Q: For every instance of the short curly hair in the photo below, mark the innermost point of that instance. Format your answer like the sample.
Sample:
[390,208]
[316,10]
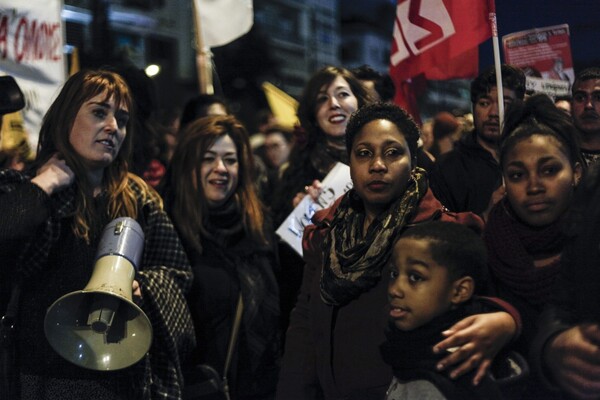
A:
[389,112]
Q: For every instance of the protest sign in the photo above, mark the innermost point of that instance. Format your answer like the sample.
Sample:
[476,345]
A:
[31,51]
[335,184]
[545,55]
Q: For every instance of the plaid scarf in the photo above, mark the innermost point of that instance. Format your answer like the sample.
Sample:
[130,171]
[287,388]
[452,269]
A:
[164,277]
[352,262]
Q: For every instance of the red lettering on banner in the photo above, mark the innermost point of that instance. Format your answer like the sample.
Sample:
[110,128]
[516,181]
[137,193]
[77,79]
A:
[36,41]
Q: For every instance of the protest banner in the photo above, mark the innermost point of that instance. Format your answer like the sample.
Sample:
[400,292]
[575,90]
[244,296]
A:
[435,40]
[335,184]
[31,51]
[545,56]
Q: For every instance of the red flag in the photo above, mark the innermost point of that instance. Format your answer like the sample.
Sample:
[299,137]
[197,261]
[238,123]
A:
[437,38]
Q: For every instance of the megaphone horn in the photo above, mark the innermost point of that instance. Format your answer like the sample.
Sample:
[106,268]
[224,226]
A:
[100,327]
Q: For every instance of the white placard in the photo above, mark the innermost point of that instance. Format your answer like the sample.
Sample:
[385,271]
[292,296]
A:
[335,184]
[31,51]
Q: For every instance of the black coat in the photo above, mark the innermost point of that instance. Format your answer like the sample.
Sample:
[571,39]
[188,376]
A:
[465,178]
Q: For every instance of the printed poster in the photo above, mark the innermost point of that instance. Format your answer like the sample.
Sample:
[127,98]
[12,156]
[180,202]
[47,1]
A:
[545,56]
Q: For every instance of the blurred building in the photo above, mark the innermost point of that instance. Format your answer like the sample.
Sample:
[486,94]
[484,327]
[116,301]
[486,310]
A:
[366,33]
[303,35]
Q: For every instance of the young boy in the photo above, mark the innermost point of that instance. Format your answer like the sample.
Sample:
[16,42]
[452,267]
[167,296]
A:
[435,269]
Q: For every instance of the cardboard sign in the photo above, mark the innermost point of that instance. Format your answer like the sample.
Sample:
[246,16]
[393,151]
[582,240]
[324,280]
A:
[335,184]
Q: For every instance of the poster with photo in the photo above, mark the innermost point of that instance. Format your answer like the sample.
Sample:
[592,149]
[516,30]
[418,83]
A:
[545,56]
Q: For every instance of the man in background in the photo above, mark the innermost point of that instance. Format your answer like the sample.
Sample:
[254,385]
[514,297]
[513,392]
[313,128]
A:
[466,178]
[585,109]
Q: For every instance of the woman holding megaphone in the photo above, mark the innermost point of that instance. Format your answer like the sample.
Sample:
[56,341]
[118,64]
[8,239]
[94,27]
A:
[52,226]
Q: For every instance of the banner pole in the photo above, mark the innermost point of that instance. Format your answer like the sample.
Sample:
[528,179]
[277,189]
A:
[203,56]
[497,67]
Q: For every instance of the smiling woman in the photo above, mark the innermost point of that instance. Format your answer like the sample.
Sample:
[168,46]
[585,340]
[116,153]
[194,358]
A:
[329,97]
[210,194]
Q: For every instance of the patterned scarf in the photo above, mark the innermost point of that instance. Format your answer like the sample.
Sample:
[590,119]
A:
[165,276]
[353,263]
[512,247]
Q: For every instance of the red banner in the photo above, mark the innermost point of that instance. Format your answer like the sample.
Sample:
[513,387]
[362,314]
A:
[438,39]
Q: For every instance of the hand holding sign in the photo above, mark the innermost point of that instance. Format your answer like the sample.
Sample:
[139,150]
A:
[320,195]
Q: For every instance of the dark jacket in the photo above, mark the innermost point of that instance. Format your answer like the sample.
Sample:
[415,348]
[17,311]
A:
[333,352]
[213,300]
[465,178]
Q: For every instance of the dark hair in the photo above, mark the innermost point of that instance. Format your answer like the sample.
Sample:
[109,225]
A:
[444,124]
[382,82]
[287,134]
[390,112]
[512,78]
[539,115]
[147,144]
[586,75]
[454,246]
[308,101]
[183,191]
[54,138]
[197,107]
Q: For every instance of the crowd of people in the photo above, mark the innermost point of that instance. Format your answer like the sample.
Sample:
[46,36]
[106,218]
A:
[460,265]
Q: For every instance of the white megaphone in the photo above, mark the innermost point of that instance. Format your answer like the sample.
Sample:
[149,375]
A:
[100,327]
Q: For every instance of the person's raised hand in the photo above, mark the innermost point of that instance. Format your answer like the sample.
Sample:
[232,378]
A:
[313,191]
[54,175]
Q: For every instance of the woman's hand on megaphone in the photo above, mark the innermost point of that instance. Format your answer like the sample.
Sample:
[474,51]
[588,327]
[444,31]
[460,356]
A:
[54,175]
[137,292]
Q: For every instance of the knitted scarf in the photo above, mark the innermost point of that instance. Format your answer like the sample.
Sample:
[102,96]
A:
[353,263]
[405,350]
[512,247]
[253,264]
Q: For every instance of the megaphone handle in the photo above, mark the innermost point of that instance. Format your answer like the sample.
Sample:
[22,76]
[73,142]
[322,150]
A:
[233,338]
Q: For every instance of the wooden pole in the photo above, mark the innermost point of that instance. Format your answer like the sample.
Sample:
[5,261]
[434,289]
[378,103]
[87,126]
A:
[203,56]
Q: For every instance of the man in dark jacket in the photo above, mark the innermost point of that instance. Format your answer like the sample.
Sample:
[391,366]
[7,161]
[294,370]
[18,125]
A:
[466,178]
